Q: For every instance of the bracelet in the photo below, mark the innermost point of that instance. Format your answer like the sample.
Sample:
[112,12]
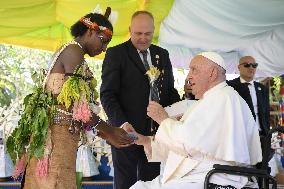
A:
[98,122]
[89,126]
[94,128]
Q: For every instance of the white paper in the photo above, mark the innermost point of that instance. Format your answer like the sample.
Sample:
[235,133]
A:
[177,109]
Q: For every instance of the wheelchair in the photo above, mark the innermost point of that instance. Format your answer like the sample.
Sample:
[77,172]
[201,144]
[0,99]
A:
[262,173]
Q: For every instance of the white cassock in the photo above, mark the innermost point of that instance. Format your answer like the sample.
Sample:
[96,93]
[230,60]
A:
[217,129]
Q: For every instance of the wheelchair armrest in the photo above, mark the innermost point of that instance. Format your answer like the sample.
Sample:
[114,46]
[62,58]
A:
[243,171]
[239,169]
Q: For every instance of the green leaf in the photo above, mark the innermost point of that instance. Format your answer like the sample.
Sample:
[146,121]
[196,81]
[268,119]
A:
[39,150]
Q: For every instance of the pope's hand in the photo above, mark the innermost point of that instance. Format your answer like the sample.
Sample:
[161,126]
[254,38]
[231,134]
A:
[156,112]
[128,127]
[142,140]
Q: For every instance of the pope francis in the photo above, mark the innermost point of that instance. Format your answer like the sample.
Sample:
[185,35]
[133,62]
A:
[217,129]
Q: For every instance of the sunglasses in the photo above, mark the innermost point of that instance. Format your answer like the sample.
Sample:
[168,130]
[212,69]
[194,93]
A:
[247,65]
[104,41]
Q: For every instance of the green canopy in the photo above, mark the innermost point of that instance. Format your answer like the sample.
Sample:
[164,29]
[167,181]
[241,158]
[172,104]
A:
[45,24]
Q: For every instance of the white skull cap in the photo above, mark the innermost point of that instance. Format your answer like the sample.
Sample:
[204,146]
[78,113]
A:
[215,57]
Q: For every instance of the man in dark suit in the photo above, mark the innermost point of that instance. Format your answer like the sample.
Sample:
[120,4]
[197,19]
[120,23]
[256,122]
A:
[254,93]
[125,94]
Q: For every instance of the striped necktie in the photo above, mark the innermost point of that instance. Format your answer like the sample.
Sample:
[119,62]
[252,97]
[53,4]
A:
[145,61]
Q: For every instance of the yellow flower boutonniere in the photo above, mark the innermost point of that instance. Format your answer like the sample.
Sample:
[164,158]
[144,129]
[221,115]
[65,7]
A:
[153,74]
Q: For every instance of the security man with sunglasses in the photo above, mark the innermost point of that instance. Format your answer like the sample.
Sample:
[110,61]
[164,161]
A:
[254,93]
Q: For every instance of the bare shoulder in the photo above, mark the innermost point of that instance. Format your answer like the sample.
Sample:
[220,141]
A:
[71,57]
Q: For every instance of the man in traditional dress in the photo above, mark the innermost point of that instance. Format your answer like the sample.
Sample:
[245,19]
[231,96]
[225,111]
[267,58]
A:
[218,129]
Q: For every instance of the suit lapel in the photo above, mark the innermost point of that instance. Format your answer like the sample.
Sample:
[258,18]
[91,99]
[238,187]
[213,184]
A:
[155,57]
[247,95]
[134,56]
[156,61]
[259,100]
[258,90]
[258,95]
[244,89]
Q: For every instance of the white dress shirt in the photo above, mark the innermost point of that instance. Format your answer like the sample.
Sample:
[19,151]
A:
[252,91]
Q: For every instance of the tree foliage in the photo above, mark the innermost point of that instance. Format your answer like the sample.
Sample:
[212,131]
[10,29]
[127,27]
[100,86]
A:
[18,68]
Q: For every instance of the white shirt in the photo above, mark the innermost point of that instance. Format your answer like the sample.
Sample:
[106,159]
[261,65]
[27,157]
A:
[148,56]
[252,91]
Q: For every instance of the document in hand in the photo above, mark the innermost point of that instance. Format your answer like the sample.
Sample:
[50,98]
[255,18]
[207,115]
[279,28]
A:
[177,109]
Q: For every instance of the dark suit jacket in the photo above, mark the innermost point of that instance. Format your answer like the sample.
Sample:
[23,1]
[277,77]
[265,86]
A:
[262,94]
[125,88]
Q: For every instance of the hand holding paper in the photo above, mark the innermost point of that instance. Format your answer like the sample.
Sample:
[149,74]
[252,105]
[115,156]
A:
[156,112]
[177,109]
[142,140]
